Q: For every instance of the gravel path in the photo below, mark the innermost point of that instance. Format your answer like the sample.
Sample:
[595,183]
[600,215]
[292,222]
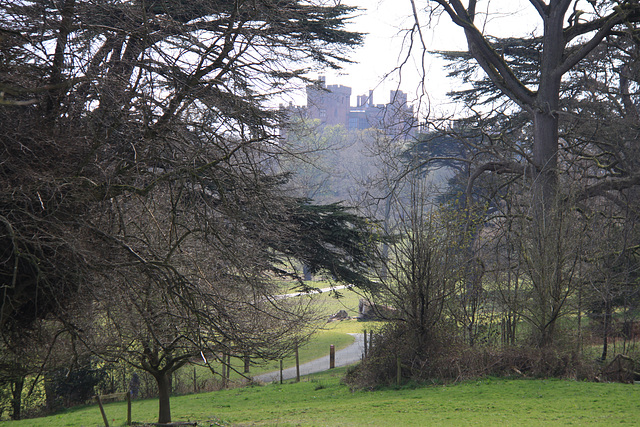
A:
[319,291]
[344,357]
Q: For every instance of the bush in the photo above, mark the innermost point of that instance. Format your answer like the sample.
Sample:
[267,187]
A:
[66,387]
[418,354]
[439,357]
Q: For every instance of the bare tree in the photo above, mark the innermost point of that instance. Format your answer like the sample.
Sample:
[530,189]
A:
[535,86]
[420,270]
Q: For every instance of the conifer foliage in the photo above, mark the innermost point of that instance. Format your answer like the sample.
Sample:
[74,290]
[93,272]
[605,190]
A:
[136,185]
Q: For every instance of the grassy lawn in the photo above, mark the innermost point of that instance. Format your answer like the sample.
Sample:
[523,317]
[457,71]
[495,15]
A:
[321,400]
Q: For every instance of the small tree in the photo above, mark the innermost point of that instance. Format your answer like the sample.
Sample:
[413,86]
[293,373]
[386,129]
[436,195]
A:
[418,283]
[192,274]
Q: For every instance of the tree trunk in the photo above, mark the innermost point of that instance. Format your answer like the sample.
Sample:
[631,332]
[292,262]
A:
[543,105]
[545,158]
[545,180]
[164,393]
[547,334]
[544,232]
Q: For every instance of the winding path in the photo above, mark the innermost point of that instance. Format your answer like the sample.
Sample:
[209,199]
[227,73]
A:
[344,357]
[316,291]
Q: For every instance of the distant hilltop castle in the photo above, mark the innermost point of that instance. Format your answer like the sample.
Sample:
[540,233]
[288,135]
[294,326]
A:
[331,105]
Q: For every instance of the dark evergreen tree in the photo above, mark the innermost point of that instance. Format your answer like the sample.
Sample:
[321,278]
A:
[137,149]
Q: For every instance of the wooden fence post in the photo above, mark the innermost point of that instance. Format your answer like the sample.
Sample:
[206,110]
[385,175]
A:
[281,371]
[297,364]
[365,343]
[195,381]
[104,416]
[332,356]
[129,407]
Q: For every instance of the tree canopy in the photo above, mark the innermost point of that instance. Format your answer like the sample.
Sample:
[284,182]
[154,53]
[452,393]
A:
[138,172]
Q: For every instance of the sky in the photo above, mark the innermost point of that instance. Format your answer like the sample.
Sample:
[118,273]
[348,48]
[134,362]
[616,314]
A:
[384,48]
[385,23]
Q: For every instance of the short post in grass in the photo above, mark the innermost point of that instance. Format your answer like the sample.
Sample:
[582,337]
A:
[297,364]
[281,379]
[129,407]
[223,374]
[332,356]
[104,416]
[226,369]
[195,381]
[365,343]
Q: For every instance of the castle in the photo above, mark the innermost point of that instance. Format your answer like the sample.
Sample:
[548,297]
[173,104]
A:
[331,105]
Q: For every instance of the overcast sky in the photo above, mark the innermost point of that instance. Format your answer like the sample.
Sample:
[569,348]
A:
[385,22]
[386,46]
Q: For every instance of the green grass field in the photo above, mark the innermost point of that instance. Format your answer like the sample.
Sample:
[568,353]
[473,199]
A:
[322,400]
